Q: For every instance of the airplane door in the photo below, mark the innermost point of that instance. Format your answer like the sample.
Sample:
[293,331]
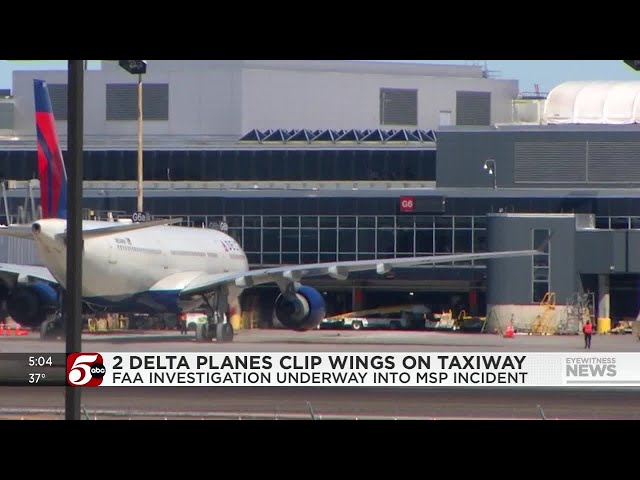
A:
[113,253]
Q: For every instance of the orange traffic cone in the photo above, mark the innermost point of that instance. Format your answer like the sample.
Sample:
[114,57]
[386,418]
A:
[509,333]
[21,331]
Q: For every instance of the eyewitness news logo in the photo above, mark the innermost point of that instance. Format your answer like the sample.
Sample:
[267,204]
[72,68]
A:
[85,369]
[594,370]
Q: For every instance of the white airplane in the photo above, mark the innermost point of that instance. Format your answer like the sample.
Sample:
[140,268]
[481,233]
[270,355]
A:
[156,267]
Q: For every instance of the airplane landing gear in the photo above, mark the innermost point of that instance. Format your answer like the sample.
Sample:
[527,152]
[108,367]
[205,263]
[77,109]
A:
[224,332]
[217,325]
[202,332]
[51,326]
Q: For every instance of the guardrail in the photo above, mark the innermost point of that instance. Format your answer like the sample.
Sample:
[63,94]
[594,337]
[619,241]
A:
[107,414]
[21,186]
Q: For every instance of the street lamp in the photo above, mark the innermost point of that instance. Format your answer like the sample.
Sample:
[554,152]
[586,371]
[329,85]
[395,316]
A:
[490,166]
[137,67]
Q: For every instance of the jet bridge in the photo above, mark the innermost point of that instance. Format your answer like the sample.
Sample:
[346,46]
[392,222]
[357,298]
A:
[28,212]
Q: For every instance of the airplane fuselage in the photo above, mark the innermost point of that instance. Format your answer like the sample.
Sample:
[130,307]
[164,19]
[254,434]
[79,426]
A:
[142,270]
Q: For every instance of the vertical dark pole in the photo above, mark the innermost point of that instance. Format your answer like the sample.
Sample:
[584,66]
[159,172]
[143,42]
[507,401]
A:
[140,170]
[73,303]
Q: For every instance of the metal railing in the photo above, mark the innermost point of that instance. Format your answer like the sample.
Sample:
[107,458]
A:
[20,187]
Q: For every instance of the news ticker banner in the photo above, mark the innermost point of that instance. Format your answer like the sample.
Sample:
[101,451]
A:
[306,369]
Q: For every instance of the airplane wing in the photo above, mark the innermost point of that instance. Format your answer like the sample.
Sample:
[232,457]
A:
[122,227]
[31,271]
[19,231]
[337,270]
[25,231]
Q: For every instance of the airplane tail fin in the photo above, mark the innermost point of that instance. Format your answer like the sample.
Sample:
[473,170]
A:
[51,171]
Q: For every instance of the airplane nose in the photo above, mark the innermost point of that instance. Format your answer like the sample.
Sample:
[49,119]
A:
[36,227]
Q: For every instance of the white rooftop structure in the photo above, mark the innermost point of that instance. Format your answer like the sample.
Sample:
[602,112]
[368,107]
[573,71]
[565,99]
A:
[597,102]
[221,101]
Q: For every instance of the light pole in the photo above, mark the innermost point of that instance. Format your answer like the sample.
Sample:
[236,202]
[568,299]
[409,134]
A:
[140,143]
[73,294]
[490,166]
[137,67]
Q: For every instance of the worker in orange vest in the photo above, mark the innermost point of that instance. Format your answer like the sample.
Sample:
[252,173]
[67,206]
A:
[587,330]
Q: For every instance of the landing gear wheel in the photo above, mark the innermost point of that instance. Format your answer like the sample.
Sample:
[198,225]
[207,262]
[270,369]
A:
[202,332]
[44,329]
[224,332]
[47,327]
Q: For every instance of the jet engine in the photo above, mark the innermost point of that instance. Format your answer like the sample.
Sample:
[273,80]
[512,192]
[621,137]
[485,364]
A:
[303,310]
[29,305]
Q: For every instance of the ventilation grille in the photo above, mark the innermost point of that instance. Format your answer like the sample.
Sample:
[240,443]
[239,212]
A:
[122,101]
[473,108]
[398,106]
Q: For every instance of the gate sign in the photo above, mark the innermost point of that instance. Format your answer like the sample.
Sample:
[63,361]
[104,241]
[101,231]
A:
[407,204]
[140,217]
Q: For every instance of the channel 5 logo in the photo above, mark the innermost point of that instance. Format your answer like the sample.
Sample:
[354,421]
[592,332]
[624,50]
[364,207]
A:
[85,369]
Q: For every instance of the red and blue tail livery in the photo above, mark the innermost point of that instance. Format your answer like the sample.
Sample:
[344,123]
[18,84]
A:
[51,170]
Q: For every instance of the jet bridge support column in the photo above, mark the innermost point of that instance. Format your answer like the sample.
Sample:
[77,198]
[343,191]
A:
[473,302]
[604,296]
[356,299]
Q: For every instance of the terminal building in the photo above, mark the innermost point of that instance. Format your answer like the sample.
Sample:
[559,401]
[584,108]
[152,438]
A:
[311,161]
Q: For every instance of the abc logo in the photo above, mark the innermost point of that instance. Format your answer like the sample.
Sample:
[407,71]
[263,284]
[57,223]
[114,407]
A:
[85,369]
[98,370]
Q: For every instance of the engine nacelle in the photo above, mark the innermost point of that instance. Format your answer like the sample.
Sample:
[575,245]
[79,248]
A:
[29,305]
[303,310]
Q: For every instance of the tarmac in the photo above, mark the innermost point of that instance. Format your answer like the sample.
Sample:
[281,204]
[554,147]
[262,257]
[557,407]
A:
[326,341]
[200,403]
[203,403]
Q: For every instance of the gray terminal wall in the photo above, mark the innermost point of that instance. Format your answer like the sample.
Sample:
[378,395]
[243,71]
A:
[608,251]
[509,280]
[576,250]
[538,157]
